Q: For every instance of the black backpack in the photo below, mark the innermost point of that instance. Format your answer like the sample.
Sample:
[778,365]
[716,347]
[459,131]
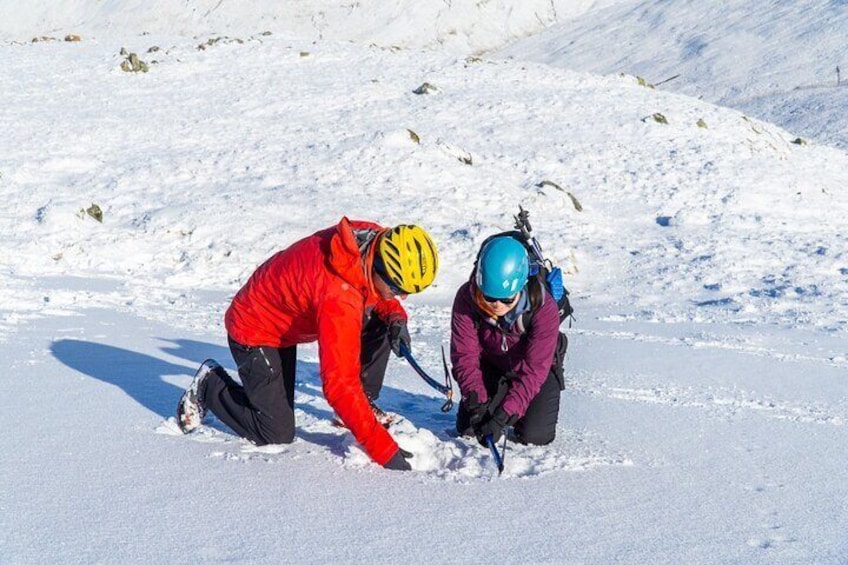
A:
[537,281]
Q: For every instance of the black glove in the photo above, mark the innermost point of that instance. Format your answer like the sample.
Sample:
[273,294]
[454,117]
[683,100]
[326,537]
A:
[398,333]
[399,462]
[477,411]
[494,426]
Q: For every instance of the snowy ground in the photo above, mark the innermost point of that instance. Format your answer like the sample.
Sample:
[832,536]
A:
[464,26]
[782,61]
[705,415]
[676,442]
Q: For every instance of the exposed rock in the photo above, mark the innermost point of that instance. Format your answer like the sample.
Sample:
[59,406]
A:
[426,88]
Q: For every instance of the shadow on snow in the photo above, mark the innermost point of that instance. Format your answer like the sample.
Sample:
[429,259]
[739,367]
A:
[140,376]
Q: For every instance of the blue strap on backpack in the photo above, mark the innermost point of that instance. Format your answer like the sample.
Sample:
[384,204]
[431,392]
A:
[554,280]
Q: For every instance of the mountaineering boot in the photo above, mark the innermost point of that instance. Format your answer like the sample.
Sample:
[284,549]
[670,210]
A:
[383,417]
[192,408]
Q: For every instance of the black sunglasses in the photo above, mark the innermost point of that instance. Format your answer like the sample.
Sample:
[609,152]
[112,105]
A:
[504,301]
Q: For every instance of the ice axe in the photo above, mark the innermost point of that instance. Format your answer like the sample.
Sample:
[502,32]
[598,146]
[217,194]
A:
[495,453]
[446,389]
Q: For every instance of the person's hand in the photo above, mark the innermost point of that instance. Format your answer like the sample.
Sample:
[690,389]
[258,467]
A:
[494,426]
[399,334]
[399,462]
[477,411]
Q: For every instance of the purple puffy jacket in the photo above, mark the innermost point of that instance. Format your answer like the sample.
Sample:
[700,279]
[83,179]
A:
[529,355]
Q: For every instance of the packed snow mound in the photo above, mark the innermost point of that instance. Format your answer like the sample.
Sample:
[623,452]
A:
[462,25]
[776,60]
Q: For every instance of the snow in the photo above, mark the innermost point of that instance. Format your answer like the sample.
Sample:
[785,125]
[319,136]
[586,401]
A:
[705,412]
[781,61]
[455,25]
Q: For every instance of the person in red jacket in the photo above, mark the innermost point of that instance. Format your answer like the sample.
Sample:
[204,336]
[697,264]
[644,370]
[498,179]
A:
[339,287]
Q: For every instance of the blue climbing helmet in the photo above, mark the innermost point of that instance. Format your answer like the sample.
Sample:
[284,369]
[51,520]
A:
[502,267]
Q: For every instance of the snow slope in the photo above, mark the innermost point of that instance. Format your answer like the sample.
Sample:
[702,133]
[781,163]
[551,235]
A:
[705,415]
[458,25]
[774,60]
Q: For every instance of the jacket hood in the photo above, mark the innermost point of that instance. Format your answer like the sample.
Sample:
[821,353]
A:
[345,257]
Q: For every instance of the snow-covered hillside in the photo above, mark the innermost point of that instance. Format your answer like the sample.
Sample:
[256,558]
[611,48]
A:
[705,415]
[781,61]
[459,25]
[722,221]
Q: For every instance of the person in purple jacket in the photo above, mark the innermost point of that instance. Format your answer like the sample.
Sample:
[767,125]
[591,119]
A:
[506,348]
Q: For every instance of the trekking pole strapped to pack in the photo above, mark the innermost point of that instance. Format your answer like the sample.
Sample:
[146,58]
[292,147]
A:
[552,275]
[522,224]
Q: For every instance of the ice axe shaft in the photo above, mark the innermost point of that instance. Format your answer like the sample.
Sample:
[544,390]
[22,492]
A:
[444,389]
[490,441]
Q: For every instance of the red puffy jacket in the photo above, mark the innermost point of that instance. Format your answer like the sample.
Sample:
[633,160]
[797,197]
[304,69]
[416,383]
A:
[319,288]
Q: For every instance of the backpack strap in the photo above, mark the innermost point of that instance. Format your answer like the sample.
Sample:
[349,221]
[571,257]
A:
[536,293]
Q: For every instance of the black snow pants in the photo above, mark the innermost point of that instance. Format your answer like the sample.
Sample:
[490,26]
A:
[538,425]
[261,408]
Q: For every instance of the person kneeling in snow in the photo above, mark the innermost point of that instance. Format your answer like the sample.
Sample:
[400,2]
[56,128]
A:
[338,286]
[506,348]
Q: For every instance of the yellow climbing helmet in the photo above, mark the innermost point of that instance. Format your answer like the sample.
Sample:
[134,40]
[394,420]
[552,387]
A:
[408,257]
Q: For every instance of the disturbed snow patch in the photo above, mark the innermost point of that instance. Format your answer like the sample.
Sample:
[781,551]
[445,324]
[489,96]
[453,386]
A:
[440,457]
[462,459]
